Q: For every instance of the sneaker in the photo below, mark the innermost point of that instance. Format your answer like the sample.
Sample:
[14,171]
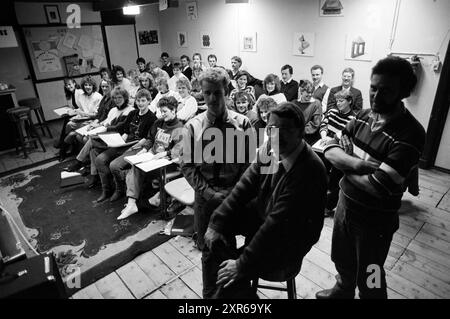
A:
[175,207]
[75,166]
[129,210]
[155,200]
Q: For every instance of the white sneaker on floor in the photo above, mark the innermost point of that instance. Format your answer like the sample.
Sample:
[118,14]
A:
[155,200]
[129,210]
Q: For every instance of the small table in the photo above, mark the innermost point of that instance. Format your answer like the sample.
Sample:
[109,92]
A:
[160,164]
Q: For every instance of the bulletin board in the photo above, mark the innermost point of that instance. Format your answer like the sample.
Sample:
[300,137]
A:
[58,51]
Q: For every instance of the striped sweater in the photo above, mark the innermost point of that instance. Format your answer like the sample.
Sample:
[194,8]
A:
[396,146]
[334,121]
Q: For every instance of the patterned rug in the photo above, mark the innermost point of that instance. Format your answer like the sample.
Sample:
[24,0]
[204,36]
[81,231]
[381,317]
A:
[86,238]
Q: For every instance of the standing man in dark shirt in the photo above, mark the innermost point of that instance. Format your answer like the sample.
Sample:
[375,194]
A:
[213,171]
[348,76]
[166,64]
[288,85]
[378,152]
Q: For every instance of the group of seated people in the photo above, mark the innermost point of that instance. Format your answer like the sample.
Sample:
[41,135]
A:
[150,103]
[277,204]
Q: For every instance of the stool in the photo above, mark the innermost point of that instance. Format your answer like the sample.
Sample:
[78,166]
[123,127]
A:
[290,287]
[22,116]
[35,105]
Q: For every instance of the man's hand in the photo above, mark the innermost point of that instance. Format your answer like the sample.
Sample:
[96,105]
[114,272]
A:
[211,237]
[346,143]
[324,141]
[228,273]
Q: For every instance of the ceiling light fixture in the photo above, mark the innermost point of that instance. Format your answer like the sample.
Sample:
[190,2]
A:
[131,9]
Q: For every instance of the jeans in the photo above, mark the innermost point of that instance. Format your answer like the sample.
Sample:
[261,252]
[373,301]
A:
[360,245]
[119,168]
[102,160]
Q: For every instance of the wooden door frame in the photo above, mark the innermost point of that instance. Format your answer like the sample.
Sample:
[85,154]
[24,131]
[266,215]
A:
[438,116]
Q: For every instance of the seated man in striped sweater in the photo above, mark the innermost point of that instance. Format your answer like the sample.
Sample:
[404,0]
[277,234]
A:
[333,123]
[378,152]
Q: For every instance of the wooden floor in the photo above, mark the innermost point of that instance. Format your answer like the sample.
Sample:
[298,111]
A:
[418,265]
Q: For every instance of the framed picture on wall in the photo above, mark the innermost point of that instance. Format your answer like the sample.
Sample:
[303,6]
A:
[148,37]
[303,44]
[206,40]
[358,46]
[52,14]
[331,8]
[191,10]
[248,42]
[182,39]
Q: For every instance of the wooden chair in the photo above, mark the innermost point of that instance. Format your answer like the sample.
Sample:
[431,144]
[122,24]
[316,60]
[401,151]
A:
[35,105]
[290,287]
[181,191]
[21,117]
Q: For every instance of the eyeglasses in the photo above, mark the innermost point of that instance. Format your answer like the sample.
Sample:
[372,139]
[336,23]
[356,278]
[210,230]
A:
[270,128]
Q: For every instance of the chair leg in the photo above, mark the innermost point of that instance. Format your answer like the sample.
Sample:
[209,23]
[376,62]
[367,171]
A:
[255,285]
[38,117]
[45,122]
[21,139]
[33,129]
[291,289]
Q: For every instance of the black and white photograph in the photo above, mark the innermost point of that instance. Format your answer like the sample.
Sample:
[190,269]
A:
[225,158]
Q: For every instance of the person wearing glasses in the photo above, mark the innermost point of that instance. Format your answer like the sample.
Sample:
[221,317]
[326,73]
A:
[278,208]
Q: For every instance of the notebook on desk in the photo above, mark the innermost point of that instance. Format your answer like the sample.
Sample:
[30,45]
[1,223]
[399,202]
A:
[153,164]
[115,140]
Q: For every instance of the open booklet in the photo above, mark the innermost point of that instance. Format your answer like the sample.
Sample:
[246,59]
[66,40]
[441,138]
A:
[154,164]
[144,157]
[136,159]
[115,140]
[85,132]
[65,110]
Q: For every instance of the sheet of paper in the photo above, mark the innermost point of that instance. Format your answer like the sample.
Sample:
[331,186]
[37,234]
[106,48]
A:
[136,159]
[85,42]
[155,164]
[112,140]
[69,40]
[98,60]
[97,47]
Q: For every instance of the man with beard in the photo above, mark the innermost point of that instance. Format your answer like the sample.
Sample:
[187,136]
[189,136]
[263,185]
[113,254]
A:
[379,151]
[348,76]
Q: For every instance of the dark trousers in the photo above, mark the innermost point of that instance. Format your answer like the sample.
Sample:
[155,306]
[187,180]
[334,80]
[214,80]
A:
[211,259]
[102,160]
[360,245]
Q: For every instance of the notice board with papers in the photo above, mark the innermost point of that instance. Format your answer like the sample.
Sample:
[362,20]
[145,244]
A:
[58,51]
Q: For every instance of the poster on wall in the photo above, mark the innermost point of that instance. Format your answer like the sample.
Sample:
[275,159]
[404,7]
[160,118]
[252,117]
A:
[46,55]
[248,42]
[148,37]
[331,8]
[7,37]
[303,44]
[182,39]
[358,47]
[206,40]
[191,10]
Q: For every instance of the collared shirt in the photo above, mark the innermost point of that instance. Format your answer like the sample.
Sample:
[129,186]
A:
[287,82]
[289,161]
